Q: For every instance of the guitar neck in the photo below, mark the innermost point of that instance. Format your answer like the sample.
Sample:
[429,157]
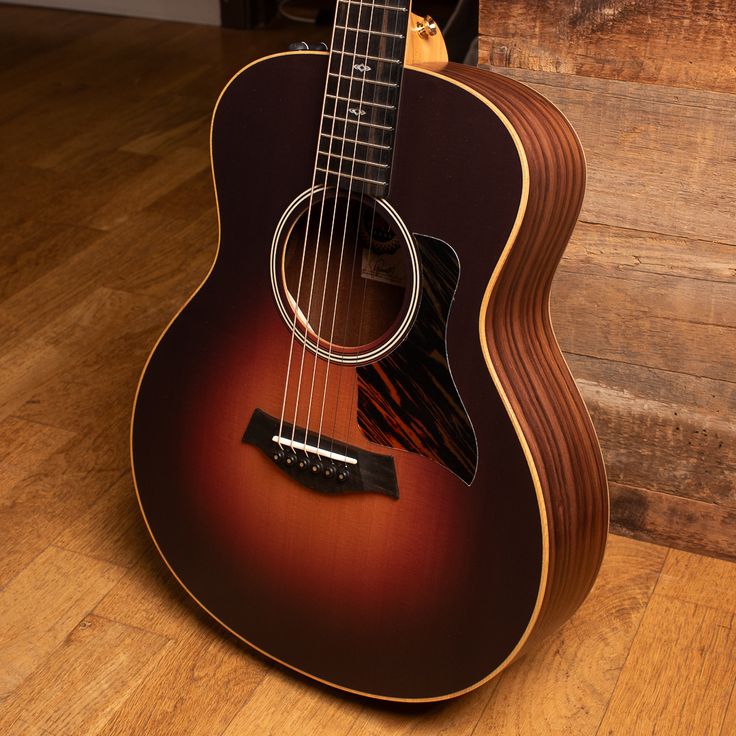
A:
[362,93]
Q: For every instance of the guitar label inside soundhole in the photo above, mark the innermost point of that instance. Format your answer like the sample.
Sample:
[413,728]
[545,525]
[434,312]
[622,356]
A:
[347,269]
[382,259]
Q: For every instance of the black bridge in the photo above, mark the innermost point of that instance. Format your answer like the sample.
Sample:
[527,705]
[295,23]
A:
[322,464]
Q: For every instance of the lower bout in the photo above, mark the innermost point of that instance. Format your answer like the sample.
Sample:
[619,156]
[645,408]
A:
[419,598]
[415,598]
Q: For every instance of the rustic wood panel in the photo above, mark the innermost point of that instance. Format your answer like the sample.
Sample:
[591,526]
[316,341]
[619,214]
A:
[670,455]
[668,439]
[643,300]
[709,528]
[685,43]
[660,159]
[655,320]
[670,444]
[604,250]
[666,427]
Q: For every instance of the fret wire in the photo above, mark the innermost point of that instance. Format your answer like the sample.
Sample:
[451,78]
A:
[354,160]
[360,178]
[358,56]
[383,43]
[373,5]
[371,32]
[357,122]
[359,102]
[356,142]
[364,80]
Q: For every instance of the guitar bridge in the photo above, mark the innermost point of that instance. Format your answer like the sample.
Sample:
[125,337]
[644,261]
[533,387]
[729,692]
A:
[340,469]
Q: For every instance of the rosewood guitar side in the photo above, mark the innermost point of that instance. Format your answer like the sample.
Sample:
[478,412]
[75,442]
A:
[526,360]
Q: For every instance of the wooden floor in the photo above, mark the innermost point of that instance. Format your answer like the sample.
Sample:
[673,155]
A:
[107,222]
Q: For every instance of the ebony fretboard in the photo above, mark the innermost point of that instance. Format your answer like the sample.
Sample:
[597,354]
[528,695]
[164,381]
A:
[362,95]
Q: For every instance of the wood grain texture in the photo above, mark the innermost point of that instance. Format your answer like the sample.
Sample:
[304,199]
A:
[83,682]
[36,509]
[698,580]
[605,250]
[52,59]
[643,300]
[690,433]
[729,722]
[30,634]
[24,445]
[439,426]
[525,354]
[147,598]
[457,717]
[689,666]
[284,704]
[176,694]
[105,530]
[677,320]
[565,687]
[684,43]
[666,518]
[648,419]
[660,159]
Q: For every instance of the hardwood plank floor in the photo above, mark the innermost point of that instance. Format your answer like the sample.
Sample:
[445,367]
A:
[108,223]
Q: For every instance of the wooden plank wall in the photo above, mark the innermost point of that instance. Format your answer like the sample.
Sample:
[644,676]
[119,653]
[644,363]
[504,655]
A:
[644,304]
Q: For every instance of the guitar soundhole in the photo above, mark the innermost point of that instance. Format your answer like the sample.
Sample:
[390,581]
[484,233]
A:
[347,271]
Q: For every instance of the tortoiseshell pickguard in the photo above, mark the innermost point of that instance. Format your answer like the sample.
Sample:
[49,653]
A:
[408,399]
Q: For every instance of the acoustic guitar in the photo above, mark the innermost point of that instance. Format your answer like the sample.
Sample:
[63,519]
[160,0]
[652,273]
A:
[358,446]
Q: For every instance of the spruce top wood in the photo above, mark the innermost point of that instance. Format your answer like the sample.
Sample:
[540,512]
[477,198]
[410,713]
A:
[379,309]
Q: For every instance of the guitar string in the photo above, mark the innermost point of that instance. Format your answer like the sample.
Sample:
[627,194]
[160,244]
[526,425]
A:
[301,266]
[346,331]
[339,175]
[369,36]
[318,233]
[398,21]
